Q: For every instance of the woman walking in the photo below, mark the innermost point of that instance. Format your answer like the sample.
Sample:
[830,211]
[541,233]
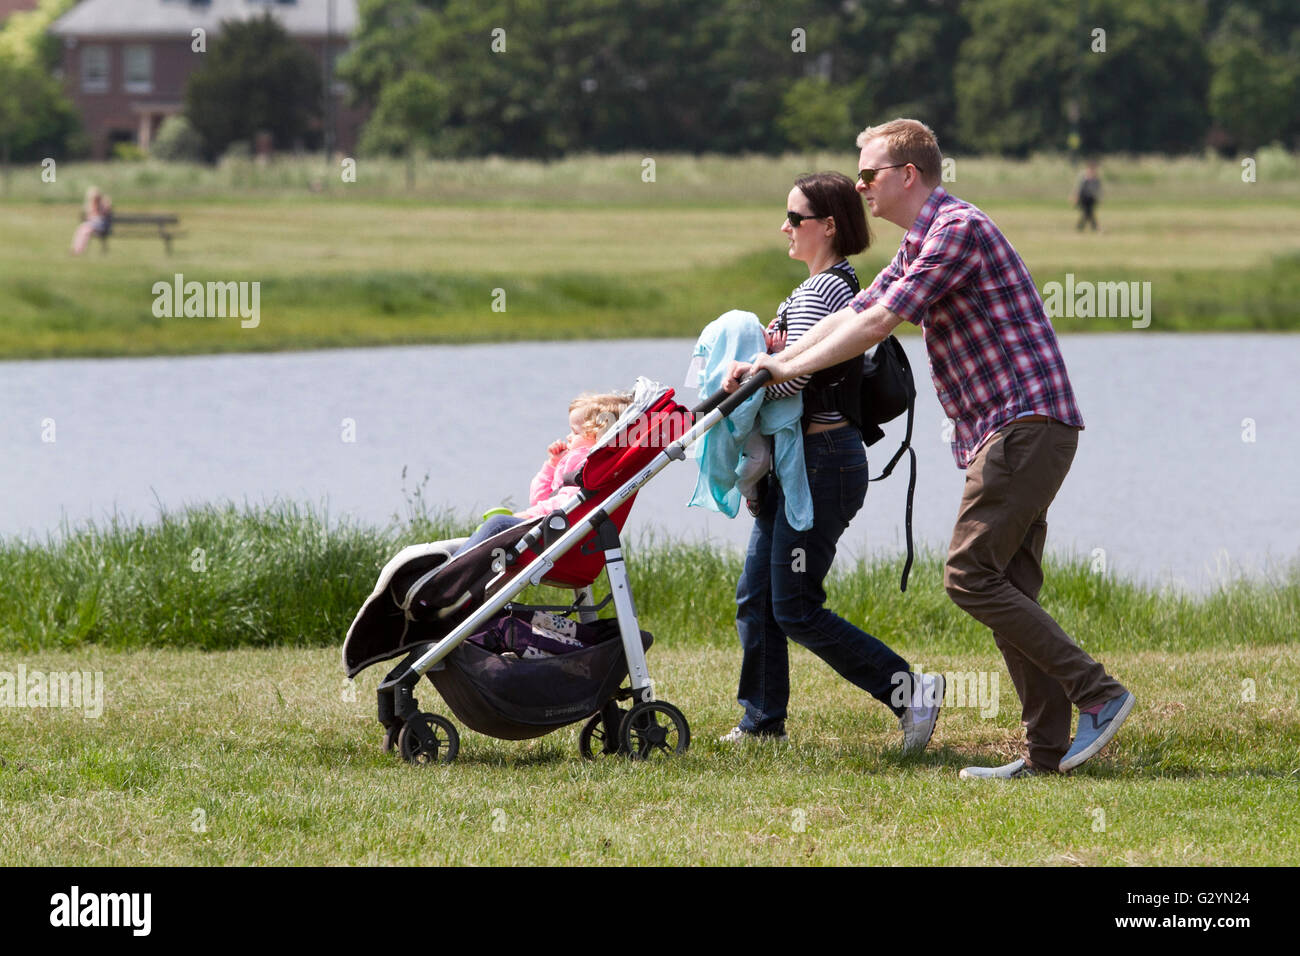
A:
[780,594]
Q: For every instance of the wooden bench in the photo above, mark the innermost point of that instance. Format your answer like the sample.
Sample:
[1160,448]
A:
[142,227]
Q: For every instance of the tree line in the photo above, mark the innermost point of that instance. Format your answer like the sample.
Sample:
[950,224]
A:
[521,77]
[533,78]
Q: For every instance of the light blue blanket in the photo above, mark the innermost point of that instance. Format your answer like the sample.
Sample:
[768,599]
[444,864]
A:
[738,336]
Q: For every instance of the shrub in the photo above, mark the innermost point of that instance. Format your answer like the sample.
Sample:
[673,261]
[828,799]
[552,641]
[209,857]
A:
[128,152]
[177,141]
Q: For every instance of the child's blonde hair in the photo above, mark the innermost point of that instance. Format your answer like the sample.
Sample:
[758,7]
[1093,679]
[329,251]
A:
[600,410]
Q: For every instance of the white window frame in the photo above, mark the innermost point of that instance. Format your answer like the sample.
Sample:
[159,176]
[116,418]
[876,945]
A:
[89,83]
[137,85]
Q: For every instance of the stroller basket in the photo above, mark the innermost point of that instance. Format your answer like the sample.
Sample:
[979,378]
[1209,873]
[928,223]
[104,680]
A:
[512,698]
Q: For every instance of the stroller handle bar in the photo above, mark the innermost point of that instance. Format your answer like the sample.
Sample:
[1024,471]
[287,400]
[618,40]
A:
[728,402]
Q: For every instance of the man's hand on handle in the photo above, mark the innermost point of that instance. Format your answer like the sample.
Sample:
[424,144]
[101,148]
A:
[742,370]
[839,336]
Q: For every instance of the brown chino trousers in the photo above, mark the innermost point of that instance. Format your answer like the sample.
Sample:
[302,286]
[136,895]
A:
[994,573]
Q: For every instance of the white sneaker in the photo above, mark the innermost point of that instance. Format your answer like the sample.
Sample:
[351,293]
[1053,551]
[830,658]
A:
[1017,768]
[736,736]
[918,723]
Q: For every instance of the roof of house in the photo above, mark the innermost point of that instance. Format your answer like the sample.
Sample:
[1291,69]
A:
[99,18]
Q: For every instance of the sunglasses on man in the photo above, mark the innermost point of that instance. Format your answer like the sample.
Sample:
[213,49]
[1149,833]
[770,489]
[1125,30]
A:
[868,176]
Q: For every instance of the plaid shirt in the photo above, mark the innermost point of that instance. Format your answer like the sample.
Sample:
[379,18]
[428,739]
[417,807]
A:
[993,351]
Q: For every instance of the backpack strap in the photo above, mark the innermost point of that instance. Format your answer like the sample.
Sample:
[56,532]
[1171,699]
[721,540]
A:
[828,389]
[849,278]
[906,446]
[911,409]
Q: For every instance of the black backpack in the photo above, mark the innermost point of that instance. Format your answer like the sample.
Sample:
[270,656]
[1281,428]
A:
[882,390]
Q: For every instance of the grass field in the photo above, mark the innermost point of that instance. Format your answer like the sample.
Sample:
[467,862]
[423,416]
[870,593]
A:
[228,734]
[261,757]
[585,249]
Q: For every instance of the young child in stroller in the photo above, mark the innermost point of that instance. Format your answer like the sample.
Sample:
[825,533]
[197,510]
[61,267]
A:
[590,415]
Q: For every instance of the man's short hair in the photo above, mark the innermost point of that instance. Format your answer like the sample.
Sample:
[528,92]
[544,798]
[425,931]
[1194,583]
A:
[909,141]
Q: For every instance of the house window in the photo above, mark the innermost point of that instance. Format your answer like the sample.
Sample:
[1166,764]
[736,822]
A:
[137,63]
[94,69]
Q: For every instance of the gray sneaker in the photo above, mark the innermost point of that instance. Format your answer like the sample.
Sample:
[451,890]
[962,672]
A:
[1010,771]
[1096,730]
[918,723]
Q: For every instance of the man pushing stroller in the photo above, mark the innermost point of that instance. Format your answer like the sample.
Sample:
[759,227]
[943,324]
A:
[999,374]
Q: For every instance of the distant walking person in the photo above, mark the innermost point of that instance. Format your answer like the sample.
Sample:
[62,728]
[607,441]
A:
[1086,196]
[998,370]
[97,217]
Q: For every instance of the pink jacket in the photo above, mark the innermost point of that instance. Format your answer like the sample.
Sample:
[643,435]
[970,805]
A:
[548,490]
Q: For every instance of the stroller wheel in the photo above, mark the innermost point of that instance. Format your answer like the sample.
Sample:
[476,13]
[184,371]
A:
[428,738]
[597,738]
[390,738]
[654,728]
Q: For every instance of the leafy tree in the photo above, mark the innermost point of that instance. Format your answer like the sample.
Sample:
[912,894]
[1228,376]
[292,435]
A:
[899,60]
[1001,76]
[410,117]
[1255,83]
[1012,76]
[255,77]
[503,102]
[594,74]
[387,45]
[1025,64]
[36,120]
[25,38]
[817,114]
[1277,19]
[1147,92]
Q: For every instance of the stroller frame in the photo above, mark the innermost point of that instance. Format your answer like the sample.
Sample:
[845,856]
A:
[638,734]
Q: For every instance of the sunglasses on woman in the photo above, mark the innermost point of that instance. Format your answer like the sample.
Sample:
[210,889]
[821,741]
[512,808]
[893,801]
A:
[868,176]
[795,218]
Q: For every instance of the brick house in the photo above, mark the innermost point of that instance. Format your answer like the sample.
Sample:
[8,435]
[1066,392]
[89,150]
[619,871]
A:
[14,6]
[125,62]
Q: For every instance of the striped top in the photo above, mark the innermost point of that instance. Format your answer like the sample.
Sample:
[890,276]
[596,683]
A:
[813,299]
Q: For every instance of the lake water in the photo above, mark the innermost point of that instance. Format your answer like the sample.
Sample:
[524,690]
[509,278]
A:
[1185,474]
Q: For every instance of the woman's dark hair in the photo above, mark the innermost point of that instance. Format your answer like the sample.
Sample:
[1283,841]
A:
[832,195]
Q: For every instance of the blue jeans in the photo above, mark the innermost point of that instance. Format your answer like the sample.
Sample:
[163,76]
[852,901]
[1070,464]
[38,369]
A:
[494,525]
[780,591]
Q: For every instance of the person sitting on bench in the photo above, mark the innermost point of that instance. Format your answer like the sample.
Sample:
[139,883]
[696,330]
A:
[98,218]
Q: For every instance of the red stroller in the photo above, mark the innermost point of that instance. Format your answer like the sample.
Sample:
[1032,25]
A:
[427,603]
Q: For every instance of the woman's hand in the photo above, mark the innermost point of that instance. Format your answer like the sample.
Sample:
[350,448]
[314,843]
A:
[734,376]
